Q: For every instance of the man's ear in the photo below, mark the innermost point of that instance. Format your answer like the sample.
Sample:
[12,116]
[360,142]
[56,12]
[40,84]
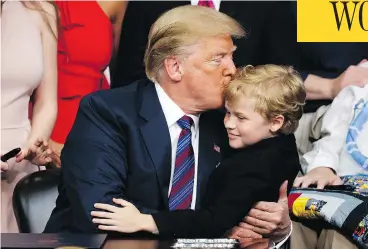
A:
[276,123]
[173,68]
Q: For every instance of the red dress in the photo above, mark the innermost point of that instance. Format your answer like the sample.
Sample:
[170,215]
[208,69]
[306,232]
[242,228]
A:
[84,51]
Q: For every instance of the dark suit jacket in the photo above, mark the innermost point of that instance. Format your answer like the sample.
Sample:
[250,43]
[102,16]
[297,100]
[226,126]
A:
[119,147]
[271,39]
[247,176]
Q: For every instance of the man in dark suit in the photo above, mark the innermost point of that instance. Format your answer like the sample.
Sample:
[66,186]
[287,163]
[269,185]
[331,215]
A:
[124,141]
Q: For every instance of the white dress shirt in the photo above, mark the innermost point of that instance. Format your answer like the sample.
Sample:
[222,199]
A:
[172,114]
[215,2]
[330,150]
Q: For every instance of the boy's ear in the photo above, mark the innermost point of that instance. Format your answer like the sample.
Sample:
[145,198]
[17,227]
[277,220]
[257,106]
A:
[276,123]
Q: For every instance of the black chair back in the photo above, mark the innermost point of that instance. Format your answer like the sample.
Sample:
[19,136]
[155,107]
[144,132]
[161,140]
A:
[34,199]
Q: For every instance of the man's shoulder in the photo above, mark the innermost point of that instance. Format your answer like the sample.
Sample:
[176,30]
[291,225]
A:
[122,96]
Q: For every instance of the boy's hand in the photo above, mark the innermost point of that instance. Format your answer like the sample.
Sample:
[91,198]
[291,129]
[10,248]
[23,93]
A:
[126,219]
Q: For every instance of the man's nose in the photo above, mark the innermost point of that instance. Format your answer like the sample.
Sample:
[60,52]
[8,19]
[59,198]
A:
[230,69]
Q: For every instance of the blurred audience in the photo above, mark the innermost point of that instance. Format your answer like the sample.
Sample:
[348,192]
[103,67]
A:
[28,67]
[88,41]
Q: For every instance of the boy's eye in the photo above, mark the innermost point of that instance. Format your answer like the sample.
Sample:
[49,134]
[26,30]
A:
[241,118]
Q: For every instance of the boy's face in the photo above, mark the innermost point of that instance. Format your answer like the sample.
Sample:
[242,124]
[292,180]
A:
[245,126]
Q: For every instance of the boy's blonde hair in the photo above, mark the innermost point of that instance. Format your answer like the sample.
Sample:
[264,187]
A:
[277,90]
[181,27]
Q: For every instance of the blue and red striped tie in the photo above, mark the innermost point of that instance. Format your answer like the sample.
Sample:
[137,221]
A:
[183,180]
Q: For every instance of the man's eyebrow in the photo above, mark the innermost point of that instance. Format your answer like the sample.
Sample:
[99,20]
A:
[225,53]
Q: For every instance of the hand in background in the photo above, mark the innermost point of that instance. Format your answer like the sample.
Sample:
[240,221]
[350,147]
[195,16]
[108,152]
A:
[56,151]
[4,167]
[354,75]
[37,152]
[321,176]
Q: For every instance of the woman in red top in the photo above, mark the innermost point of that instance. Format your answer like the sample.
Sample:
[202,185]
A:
[88,40]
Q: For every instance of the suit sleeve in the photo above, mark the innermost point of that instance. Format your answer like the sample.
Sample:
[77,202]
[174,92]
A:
[213,220]
[94,161]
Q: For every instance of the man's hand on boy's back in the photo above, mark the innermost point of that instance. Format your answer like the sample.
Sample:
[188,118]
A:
[266,219]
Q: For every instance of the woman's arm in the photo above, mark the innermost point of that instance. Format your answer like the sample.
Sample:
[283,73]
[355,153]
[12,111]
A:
[45,103]
[320,87]
[45,98]
[116,12]
[120,8]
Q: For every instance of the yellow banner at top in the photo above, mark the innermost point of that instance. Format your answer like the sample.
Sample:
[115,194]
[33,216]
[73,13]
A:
[332,21]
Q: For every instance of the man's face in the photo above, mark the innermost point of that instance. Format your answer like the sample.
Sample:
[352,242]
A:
[208,69]
[244,125]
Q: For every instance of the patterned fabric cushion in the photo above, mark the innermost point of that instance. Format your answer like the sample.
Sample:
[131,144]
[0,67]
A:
[345,210]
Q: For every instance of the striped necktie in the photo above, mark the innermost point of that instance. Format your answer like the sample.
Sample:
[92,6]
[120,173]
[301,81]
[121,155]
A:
[354,130]
[183,180]
[207,3]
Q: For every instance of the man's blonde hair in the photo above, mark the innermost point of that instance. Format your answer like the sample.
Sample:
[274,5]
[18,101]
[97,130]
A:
[277,90]
[181,27]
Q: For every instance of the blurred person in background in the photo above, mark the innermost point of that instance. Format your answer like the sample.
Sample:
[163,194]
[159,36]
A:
[28,67]
[88,41]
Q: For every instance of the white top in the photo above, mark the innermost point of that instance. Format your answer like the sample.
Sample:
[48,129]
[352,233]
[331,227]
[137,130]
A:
[172,114]
[330,150]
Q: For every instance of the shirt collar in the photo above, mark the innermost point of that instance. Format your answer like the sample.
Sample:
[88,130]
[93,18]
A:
[171,110]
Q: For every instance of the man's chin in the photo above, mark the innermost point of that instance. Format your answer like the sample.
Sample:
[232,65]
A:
[215,106]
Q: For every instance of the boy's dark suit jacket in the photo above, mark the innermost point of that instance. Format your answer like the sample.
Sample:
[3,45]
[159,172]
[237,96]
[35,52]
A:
[119,147]
[247,176]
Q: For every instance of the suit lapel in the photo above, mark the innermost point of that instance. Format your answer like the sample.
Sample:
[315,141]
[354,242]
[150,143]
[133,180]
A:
[209,155]
[156,136]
